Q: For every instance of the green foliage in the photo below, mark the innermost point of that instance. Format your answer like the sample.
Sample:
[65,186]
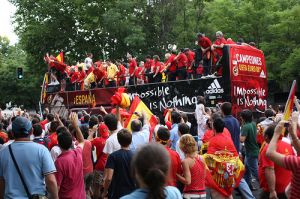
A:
[19,92]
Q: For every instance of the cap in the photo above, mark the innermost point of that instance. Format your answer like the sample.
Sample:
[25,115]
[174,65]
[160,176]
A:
[21,125]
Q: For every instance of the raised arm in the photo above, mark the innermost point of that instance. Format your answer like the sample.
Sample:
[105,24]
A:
[58,119]
[293,132]
[79,136]
[276,157]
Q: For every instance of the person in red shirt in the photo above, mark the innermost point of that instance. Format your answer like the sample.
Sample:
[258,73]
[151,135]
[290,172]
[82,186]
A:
[132,68]
[140,74]
[182,62]
[194,172]
[149,64]
[99,75]
[121,75]
[3,135]
[171,66]
[290,162]
[205,45]
[219,147]
[273,179]
[190,62]
[157,69]
[99,142]
[217,48]
[69,165]
[53,135]
[163,137]
[81,78]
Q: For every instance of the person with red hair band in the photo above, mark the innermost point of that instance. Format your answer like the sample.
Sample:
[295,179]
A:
[163,137]
[132,68]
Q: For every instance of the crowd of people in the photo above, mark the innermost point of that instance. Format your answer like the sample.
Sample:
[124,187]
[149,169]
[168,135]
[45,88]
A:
[95,156]
[202,62]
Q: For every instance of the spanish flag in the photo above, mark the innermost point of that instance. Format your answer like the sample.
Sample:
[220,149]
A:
[60,57]
[290,102]
[138,105]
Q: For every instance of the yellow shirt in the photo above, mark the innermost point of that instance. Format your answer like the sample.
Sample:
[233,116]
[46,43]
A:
[112,71]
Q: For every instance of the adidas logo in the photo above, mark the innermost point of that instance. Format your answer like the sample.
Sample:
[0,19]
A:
[262,74]
[214,88]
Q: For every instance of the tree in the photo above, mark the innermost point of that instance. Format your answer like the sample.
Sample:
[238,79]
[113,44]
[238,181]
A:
[19,92]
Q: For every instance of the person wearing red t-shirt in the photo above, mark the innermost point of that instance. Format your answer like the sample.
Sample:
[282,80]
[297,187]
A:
[73,75]
[217,48]
[53,135]
[290,162]
[149,64]
[182,62]
[157,69]
[99,75]
[140,74]
[132,68]
[121,75]
[163,137]
[221,145]
[171,66]
[273,179]
[69,165]
[99,142]
[190,62]
[194,171]
[81,78]
[205,45]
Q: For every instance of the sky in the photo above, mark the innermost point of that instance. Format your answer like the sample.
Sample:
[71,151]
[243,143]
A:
[7,10]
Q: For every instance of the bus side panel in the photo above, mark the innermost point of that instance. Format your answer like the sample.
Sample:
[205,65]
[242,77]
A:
[248,79]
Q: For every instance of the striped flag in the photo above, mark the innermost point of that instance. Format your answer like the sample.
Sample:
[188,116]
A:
[60,57]
[138,105]
[290,102]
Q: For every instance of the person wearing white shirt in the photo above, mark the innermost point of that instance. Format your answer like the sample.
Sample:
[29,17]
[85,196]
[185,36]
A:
[113,124]
[140,133]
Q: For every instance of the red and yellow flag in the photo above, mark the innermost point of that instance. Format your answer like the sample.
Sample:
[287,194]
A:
[138,105]
[60,57]
[290,102]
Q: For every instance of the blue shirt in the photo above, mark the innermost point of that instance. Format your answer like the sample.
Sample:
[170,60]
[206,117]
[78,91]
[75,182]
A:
[34,161]
[170,192]
[233,126]
[140,138]
[174,137]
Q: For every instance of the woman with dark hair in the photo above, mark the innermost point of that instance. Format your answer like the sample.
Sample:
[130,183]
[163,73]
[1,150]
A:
[151,174]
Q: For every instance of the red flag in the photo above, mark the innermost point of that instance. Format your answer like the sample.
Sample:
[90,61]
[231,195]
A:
[60,57]
[290,102]
[138,105]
